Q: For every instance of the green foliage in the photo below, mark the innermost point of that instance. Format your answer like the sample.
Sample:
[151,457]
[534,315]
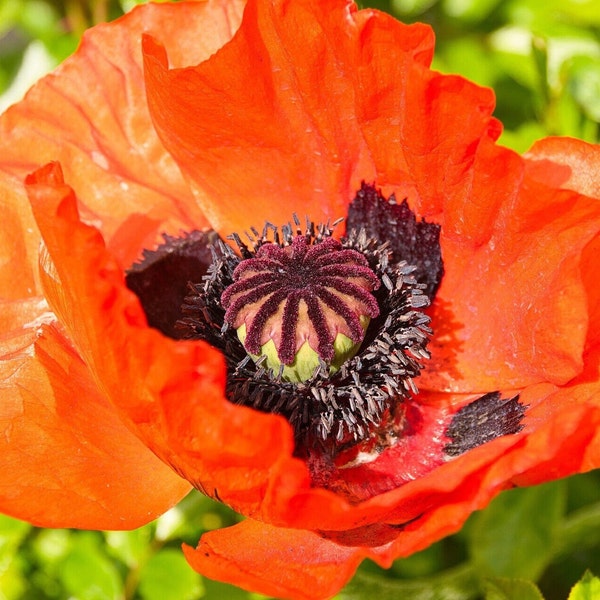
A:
[167,576]
[497,588]
[460,583]
[515,538]
[87,573]
[588,588]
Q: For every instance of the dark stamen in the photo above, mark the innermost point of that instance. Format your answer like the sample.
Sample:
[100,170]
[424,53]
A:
[416,242]
[363,399]
[483,420]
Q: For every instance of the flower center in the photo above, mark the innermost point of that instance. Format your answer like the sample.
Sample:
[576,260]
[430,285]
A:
[302,305]
[289,299]
[329,333]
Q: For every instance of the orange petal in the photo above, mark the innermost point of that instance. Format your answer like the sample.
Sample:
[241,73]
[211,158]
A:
[19,242]
[91,114]
[171,393]
[285,563]
[512,307]
[573,164]
[577,451]
[67,458]
[565,163]
[305,102]
[424,141]
[558,439]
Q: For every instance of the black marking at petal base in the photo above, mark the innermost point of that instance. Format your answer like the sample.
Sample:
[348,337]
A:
[416,242]
[160,280]
[483,420]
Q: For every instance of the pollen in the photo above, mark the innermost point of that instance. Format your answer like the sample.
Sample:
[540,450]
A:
[302,304]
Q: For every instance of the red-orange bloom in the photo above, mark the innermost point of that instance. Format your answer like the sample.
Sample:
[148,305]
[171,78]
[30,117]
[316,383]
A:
[286,110]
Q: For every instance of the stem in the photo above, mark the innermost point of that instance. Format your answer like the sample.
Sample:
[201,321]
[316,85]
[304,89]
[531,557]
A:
[99,11]
[75,17]
[132,580]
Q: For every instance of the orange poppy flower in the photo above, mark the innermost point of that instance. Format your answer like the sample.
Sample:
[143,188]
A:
[288,109]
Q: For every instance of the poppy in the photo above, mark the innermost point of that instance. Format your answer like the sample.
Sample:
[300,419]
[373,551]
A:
[123,385]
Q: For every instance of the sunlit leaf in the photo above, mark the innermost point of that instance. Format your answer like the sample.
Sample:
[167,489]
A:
[583,82]
[88,574]
[12,532]
[12,578]
[52,545]
[499,588]
[470,10]
[167,576]
[131,547]
[588,588]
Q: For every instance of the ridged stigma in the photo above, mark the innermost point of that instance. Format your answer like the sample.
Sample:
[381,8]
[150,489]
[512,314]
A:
[302,304]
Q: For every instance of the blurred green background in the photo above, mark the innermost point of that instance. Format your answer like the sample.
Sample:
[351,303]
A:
[542,58]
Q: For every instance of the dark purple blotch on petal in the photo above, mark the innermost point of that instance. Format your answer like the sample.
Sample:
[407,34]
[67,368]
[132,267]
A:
[416,242]
[160,280]
[483,420]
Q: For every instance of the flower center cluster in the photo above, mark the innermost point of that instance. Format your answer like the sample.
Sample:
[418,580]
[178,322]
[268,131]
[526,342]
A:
[294,290]
[301,305]
[328,333]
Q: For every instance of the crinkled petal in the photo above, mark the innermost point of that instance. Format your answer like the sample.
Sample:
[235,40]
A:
[285,563]
[512,308]
[19,243]
[91,115]
[560,437]
[67,458]
[574,164]
[513,303]
[578,450]
[272,126]
[494,302]
[256,474]
[305,102]
[556,432]
[170,392]
[566,163]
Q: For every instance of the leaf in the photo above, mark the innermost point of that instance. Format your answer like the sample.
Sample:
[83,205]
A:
[167,576]
[587,588]
[88,574]
[470,10]
[515,536]
[458,583]
[12,533]
[583,82]
[500,588]
[423,563]
[131,547]
[52,545]
[12,578]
